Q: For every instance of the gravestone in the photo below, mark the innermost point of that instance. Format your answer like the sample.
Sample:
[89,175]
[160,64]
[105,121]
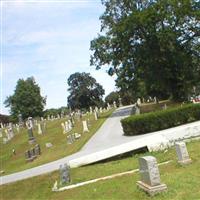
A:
[63,127]
[17,127]
[150,176]
[39,129]
[90,110]
[20,120]
[43,127]
[95,115]
[100,110]
[66,127]
[138,101]
[64,174]
[85,127]
[30,121]
[55,186]
[137,110]
[114,104]
[120,102]
[77,135]
[165,107]
[31,138]
[28,156]
[48,145]
[69,139]
[108,106]
[70,125]
[37,150]
[5,140]
[182,153]
[2,126]
[33,154]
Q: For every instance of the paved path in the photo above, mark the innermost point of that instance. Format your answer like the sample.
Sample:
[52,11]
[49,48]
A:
[109,134]
[109,141]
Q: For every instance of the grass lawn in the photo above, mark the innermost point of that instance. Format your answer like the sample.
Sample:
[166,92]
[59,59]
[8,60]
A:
[150,107]
[12,163]
[183,182]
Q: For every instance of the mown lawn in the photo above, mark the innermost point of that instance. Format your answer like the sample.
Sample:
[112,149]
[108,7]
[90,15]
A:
[12,163]
[183,182]
[150,107]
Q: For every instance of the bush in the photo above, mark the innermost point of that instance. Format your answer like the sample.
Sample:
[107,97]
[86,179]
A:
[159,120]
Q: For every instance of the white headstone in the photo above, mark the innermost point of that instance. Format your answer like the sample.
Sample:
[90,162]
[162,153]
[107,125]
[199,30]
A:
[90,110]
[138,101]
[63,127]
[85,127]
[95,116]
[48,145]
[182,153]
[39,129]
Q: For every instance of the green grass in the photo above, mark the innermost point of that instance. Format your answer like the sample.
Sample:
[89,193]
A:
[150,107]
[12,163]
[182,182]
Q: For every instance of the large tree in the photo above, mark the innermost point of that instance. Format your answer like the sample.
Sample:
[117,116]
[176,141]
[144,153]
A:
[152,46]
[26,99]
[84,91]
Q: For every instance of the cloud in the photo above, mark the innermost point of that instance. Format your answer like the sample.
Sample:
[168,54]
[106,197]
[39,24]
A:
[50,41]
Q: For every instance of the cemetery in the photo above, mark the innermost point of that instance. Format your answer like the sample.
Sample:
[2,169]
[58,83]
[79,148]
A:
[53,141]
[100,100]
[69,179]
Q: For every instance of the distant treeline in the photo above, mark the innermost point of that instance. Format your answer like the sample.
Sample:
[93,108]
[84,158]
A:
[4,119]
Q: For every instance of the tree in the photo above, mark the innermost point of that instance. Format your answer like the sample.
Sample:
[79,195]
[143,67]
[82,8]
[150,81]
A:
[56,111]
[26,99]
[84,91]
[151,42]
[113,96]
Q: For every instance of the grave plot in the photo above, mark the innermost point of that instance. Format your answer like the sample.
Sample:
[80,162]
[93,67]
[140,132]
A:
[49,135]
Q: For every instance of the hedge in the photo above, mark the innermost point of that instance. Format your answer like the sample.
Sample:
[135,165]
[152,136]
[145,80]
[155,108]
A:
[159,120]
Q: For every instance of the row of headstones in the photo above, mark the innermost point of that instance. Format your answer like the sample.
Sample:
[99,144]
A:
[67,126]
[31,154]
[9,133]
[143,100]
[150,177]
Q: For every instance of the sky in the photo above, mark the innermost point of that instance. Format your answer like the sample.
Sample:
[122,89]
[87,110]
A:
[49,40]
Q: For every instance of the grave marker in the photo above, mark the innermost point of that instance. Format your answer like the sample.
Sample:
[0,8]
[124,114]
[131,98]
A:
[85,127]
[64,174]
[150,176]
[182,153]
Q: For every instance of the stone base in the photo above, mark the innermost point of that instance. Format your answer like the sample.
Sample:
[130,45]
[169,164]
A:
[32,141]
[152,190]
[185,162]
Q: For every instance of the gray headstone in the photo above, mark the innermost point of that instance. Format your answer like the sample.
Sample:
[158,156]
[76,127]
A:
[28,156]
[182,153]
[150,176]
[37,150]
[64,174]
[120,102]
[33,154]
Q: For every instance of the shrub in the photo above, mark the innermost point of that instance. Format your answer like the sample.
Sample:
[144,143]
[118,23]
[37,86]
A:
[159,120]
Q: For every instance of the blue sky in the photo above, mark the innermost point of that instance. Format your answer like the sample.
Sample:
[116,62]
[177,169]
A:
[49,40]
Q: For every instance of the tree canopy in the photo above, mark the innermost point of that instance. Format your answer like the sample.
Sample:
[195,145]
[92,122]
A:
[84,91]
[152,45]
[26,99]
